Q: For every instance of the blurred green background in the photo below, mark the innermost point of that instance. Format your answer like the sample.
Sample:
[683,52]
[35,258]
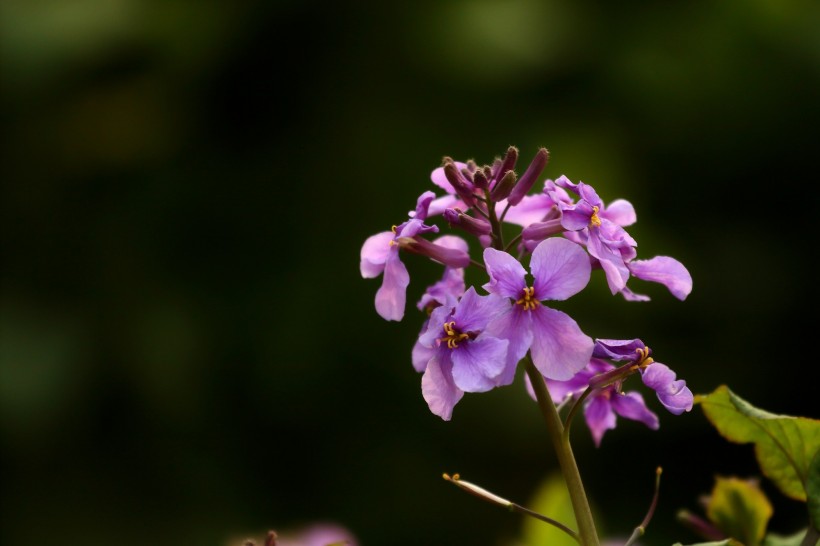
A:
[187,351]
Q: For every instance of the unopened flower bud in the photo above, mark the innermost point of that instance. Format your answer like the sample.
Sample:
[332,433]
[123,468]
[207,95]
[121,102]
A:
[507,164]
[461,185]
[539,231]
[480,180]
[503,188]
[529,177]
[474,226]
[450,257]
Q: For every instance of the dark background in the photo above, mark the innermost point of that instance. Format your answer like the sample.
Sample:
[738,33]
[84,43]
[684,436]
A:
[187,351]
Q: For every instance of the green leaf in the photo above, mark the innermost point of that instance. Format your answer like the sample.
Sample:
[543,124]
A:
[773,539]
[551,499]
[813,489]
[739,509]
[784,445]
[727,542]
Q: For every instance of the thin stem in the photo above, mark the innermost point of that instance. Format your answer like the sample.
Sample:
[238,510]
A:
[527,512]
[488,496]
[504,213]
[641,529]
[477,264]
[560,442]
[512,243]
[574,409]
[498,236]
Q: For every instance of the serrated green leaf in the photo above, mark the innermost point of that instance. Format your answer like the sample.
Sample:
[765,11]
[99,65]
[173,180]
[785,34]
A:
[551,499]
[739,509]
[813,489]
[784,445]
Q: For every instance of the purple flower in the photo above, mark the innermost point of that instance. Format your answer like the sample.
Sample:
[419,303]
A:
[672,392]
[461,356]
[603,405]
[605,240]
[380,255]
[674,395]
[558,347]
[600,229]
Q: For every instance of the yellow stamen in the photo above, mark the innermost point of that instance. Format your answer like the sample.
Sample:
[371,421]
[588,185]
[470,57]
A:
[644,359]
[394,228]
[594,220]
[452,338]
[528,301]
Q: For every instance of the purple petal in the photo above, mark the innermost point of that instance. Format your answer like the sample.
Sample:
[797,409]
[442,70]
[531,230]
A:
[561,269]
[588,194]
[674,395]
[374,254]
[564,182]
[477,363]
[575,217]
[435,326]
[611,262]
[438,206]
[666,271]
[620,212]
[629,295]
[439,390]
[531,209]
[453,242]
[618,349]
[391,296]
[422,205]
[599,417]
[631,406]
[507,275]
[422,355]
[438,178]
[474,312]
[574,386]
[446,291]
[515,326]
[559,348]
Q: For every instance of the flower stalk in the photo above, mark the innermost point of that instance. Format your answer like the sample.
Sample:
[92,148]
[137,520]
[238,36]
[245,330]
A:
[587,536]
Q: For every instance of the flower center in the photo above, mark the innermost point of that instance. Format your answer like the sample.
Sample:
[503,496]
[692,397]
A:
[528,301]
[644,359]
[453,336]
[594,220]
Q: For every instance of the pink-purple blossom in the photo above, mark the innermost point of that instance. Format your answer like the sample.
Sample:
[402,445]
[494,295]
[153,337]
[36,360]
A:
[600,228]
[457,353]
[558,347]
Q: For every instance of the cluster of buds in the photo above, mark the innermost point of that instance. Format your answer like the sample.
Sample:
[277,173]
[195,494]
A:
[473,341]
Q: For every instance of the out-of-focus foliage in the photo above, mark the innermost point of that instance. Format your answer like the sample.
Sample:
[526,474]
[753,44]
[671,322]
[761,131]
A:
[785,446]
[187,351]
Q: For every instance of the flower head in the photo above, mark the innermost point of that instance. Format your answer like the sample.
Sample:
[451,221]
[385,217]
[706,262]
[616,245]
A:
[461,355]
[560,269]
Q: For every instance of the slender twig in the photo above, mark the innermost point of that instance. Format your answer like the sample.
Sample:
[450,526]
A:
[580,505]
[512,243]
[574,409]
[482,493]
[504,213]
[641,529]
[477,264]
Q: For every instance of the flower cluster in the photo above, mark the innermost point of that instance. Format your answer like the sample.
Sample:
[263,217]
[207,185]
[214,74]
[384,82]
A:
[473,342]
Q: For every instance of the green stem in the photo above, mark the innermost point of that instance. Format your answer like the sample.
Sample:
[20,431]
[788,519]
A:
[580,505]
